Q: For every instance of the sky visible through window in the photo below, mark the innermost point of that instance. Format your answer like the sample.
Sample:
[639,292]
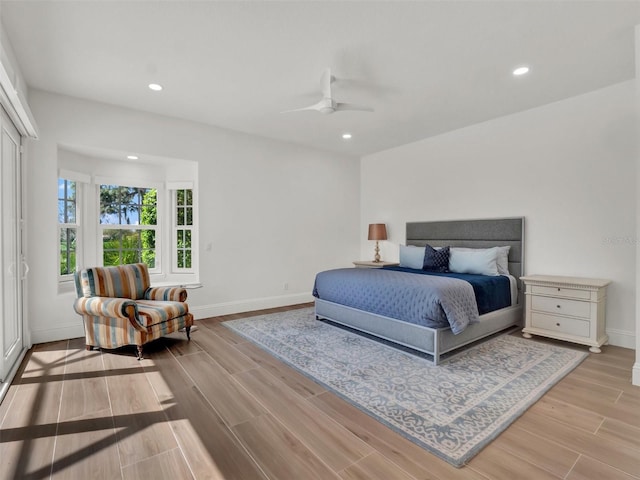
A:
[66,201]
[127,205]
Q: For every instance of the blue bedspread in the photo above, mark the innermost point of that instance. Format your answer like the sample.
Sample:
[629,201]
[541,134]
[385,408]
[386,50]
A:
[423,298]
[492,292]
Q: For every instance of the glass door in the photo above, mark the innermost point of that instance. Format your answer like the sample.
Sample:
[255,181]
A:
[12,266]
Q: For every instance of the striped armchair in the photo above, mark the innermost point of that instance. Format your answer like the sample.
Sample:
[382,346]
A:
[119,307]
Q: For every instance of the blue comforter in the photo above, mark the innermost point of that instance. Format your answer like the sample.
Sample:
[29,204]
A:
[434,301]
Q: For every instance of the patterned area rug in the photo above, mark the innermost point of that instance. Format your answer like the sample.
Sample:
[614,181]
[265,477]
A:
[453,409]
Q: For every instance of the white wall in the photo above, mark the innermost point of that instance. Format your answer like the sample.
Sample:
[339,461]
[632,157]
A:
[569,168]
[270,212]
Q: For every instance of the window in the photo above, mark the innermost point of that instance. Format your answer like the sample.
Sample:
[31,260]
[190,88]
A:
[183,229]
[138,215]
[129,225]
[67,226]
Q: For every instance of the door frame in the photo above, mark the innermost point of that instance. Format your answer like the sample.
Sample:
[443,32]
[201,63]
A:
[7,127]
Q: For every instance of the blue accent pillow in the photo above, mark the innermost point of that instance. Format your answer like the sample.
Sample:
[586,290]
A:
[436,260]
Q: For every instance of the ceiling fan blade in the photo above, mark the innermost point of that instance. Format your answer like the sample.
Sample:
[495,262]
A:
[325,83]
[325,106]
[351,106]
[316,106]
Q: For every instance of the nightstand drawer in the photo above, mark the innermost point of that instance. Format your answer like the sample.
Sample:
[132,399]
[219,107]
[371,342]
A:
[561,292]
[561,306]
[568,326]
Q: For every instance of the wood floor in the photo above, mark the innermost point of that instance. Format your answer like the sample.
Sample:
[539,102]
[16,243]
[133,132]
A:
[220,408]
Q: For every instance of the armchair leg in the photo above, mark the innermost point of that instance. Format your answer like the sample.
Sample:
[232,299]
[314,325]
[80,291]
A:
[188,331]
[139,348]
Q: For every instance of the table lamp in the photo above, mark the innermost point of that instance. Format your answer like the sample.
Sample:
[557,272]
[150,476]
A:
[377,231]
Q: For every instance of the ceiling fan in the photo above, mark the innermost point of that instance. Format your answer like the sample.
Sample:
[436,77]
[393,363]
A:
[328,105]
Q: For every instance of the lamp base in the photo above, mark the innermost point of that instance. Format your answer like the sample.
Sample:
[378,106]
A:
[376,259]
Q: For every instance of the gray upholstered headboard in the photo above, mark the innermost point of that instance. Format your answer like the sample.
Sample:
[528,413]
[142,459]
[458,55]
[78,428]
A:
[474,234]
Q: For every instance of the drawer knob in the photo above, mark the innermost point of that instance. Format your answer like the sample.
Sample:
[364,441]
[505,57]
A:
[557,306]
[557,324]
[558,289]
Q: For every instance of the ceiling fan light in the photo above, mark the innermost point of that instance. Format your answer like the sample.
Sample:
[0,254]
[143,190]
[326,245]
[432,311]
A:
[521,71]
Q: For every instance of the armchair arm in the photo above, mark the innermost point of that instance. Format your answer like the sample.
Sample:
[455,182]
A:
[170,294]
[109,307]
[103,306]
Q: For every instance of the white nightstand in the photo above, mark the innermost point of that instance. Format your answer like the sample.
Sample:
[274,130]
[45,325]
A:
[372,264]
[566,308]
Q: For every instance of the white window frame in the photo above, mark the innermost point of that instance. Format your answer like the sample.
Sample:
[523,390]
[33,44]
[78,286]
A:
[100,228]
[173,188]
[81,181]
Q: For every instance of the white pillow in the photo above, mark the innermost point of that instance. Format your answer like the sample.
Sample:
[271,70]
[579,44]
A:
[479,261]
[502,260]
[411,256]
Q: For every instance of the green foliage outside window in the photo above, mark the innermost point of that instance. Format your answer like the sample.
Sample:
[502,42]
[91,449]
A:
[67,251]
[184,248]
[149,216]
[120,247]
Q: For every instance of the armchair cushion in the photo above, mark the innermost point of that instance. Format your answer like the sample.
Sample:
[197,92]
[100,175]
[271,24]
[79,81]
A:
[152,312]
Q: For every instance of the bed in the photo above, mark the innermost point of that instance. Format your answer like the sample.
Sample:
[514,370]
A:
[438,341]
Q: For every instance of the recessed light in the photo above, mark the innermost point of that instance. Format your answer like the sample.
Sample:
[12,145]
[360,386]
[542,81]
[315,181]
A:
[132,157]
[346,136]
[520,71]
[155,87]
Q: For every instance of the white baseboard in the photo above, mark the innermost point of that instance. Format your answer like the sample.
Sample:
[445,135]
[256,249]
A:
[622,338]
[635,380]
[59,333]
[249,305]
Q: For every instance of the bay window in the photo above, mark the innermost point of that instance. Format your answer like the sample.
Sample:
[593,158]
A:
[107,222]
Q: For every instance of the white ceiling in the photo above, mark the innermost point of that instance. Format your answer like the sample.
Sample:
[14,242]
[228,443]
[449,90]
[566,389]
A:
[425,66]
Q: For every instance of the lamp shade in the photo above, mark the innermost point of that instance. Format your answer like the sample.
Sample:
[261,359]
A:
[377,231]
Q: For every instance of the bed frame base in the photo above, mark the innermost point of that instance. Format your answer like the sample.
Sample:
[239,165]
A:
[433,341]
